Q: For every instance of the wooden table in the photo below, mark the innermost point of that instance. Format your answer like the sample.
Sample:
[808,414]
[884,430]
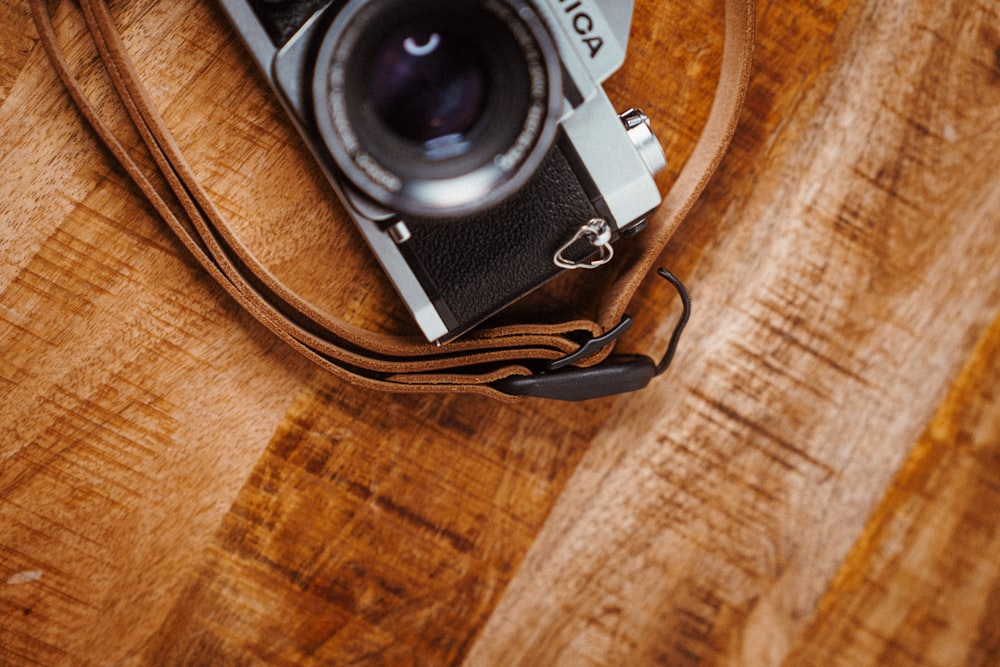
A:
[815,482]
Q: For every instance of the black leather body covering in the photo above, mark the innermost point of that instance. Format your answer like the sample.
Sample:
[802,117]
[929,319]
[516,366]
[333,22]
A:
[472,267]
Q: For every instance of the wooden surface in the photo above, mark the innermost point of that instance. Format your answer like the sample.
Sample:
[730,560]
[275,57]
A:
[816,482]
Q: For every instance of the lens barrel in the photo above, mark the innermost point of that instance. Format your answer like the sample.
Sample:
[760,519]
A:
[439,108]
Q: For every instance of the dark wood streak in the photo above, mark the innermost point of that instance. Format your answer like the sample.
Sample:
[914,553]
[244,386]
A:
[364,528]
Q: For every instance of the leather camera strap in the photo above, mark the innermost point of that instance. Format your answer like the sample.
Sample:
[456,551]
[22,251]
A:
[498,362]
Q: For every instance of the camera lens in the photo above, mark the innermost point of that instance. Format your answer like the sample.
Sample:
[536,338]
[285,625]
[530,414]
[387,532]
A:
[438,108]
[428,84]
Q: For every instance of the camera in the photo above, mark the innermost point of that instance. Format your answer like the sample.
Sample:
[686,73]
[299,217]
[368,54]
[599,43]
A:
[470,141]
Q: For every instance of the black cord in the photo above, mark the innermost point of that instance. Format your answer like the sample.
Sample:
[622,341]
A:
[675,338]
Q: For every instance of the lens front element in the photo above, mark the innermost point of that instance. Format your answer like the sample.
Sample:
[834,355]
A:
[428,85]
[439,108]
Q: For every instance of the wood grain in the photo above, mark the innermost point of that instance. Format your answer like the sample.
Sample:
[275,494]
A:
[135,399]
[921,586]
[385,540]
[826,315]
[815,482]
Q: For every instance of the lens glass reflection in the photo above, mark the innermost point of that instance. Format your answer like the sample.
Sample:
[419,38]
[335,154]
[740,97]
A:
[428,85]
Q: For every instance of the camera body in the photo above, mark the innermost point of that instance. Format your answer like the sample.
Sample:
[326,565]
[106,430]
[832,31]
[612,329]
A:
[470,140]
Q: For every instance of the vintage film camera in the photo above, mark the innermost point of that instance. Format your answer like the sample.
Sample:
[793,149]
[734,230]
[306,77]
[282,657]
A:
[470,140]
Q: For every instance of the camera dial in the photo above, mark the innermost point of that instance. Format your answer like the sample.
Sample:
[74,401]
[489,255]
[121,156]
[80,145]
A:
[441,108]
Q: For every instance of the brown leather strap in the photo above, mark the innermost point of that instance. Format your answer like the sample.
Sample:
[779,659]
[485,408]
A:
[366,358]
[737,61]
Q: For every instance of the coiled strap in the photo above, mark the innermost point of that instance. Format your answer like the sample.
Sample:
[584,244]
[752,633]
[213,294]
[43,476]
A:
[365,358]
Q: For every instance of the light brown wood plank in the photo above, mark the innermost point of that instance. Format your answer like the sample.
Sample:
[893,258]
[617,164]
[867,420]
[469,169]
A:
[134,399]
[922,584]
[706,521]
